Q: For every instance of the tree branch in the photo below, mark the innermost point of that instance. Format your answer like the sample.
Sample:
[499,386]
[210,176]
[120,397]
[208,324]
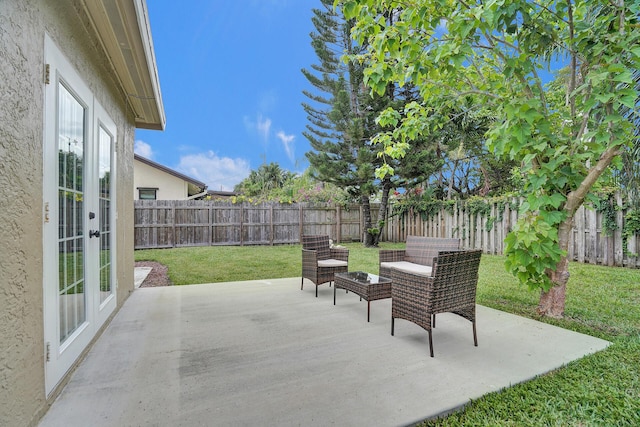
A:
[576,198]
[475,91]
[546,8]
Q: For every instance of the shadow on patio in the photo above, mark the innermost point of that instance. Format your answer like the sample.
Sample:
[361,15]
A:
[267,353]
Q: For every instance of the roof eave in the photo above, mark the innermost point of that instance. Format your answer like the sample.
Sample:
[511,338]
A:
[124,31]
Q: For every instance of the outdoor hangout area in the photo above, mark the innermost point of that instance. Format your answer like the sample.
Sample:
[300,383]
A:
[335,212]
[294,344]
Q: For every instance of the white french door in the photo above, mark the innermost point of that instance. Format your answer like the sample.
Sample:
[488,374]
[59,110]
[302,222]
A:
[79,271]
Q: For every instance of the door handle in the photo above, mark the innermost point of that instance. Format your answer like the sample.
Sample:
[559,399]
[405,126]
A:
[94,233]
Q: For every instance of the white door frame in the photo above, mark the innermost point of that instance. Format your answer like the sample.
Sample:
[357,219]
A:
[105,307]
[60,356]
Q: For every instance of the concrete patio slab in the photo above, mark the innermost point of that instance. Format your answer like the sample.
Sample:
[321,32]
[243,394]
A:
[267,353]
[139,274]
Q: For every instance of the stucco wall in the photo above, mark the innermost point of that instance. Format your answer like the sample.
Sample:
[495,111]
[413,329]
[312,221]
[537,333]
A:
[21,339]
[169,187]
[23,24]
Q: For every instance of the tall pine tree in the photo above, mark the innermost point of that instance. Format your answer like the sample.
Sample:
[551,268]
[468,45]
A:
[342,118]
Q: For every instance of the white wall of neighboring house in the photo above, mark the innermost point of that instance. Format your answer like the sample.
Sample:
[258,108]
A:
[169,187]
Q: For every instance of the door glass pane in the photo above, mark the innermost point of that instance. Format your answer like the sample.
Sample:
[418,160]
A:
[71,147]
[104,143]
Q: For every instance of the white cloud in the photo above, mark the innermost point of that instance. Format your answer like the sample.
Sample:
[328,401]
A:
[261,127]
[289,146]
[264,127]
[143,149]
[219,173]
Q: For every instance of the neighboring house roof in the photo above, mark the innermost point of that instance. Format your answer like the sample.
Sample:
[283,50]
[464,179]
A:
[201,185]
[123,30]
[220,193]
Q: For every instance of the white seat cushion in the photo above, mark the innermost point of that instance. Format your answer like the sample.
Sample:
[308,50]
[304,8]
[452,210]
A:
[408,267]
[332,263]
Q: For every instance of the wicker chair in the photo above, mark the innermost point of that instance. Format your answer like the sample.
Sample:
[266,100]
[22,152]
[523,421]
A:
[320,262]
[451,288]
[419,250]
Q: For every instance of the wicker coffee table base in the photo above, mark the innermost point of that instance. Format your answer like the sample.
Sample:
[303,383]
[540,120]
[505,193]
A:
[356,282]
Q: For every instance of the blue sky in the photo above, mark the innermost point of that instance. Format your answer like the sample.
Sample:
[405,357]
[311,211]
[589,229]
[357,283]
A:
[231,86]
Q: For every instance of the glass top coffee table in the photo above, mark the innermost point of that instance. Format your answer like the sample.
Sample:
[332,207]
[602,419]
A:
[368,286]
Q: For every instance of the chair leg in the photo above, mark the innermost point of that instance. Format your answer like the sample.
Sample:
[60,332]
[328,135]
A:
[316,291]
[430,344]
[301,283]
[433,321]
[392,321]
[475,336]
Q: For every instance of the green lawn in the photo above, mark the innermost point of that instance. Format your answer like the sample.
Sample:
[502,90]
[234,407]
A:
[598,390]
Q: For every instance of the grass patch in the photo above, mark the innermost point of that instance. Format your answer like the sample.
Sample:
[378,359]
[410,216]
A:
[598,390]
[213,264]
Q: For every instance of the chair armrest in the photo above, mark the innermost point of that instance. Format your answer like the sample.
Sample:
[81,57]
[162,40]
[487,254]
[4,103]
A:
[309,256]
[339,254]
[411,287]
[391,255]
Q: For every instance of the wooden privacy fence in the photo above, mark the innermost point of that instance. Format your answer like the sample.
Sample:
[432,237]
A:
[589,242]
[178,223]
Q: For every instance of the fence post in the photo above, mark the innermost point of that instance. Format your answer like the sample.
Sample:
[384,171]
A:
[173,228]
[492,233]
[300,222]
[578,222]
[361,221]
[619,255]
[210,205]
[593,235]
[242,224]
[339,224]
[271,222]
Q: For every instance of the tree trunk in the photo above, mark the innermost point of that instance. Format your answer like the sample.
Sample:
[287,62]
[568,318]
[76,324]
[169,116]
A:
[487,186]
[366,212]
[453,175]
[382,212]
[552,302]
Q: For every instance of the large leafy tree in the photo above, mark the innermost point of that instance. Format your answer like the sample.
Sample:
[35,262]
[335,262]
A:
[495,51]
[343,121]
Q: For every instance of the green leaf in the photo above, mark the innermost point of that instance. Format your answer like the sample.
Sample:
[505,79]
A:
[349,8]
[628,101]
[537,181]
[557,199]
[553,217]
[623,77]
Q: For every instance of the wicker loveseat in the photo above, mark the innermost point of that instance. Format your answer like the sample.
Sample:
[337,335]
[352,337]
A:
[418,256]
[320,261]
